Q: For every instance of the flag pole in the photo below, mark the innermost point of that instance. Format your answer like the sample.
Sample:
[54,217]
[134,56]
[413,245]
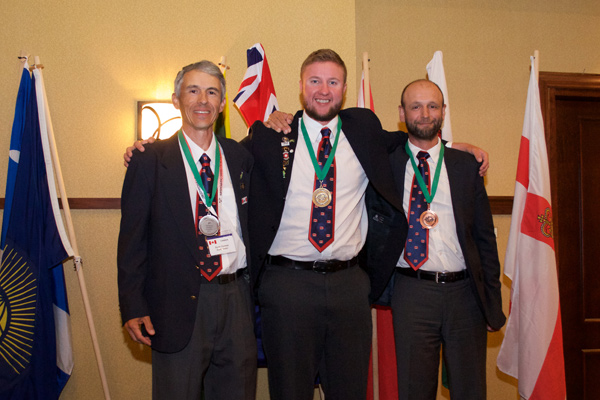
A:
[76,258]
[224,67]
[374,344]
[367,82]
[536,63]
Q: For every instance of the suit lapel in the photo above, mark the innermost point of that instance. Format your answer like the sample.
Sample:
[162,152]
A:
[292,139]
[456,181]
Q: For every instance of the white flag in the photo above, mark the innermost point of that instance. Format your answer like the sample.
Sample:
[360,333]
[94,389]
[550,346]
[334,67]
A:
[435,71]
[532,350]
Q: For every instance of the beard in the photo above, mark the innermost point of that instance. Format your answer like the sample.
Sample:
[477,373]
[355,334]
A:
[426,134]
[328,116]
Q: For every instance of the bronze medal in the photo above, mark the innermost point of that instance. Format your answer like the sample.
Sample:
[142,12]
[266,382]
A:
[209,225]
[428,219]
[321,197]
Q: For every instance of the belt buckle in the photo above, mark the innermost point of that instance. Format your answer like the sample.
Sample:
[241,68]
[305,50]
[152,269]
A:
[318,268]
[437,277]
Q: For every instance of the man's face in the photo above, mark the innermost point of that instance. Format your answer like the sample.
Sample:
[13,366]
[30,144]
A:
[323,87]
[199,101]
[423,111]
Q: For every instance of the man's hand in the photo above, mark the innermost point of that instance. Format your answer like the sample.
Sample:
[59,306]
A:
[480,155]
[136,145]
[134,328]
[280,121]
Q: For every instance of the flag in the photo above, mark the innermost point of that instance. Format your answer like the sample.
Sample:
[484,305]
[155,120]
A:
[15,145]
[35,357]
[256,97]
[386,348]
[532,350]
[435,71]
[221,126]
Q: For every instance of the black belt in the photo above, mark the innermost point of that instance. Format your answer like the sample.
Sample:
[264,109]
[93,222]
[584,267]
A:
[226,278]
[323,267]
[438,277]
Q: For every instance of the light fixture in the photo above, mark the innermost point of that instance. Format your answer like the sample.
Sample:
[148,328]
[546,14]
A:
[158,119]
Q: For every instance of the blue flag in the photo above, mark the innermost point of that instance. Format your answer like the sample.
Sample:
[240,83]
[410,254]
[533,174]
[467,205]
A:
[15,145]
[30,271]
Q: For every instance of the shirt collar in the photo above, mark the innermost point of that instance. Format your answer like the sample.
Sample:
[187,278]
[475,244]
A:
[434,152]
[197,151]
[313,127]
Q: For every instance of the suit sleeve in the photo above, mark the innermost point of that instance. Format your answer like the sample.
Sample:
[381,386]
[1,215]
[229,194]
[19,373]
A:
[485,238]
[133,244]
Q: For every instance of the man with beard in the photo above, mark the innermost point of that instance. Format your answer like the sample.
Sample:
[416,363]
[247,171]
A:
[307,222]
[446,283]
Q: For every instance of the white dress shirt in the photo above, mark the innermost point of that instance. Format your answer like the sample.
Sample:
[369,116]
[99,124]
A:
[228,212]
[445,254]
[350,219]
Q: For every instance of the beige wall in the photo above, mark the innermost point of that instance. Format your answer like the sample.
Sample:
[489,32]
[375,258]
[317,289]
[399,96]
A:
[101,57]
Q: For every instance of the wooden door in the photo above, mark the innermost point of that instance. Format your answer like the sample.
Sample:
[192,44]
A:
[571,108]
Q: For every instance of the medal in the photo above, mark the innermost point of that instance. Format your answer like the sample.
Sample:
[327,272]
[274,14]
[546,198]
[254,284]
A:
[429,219]
[209,225]
[321,197]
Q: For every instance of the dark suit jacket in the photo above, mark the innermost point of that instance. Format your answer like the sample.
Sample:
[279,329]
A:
[269,184]
[158,247]
[474,226]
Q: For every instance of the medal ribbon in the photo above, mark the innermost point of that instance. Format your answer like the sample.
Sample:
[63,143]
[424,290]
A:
[436,177]
[192,164]
[321,172]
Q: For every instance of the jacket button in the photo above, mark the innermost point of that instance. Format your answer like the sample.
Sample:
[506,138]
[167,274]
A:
[193,297]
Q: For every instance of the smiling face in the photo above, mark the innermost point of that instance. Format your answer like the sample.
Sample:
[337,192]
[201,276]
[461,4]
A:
[323,88]
[200,101]
[423,111]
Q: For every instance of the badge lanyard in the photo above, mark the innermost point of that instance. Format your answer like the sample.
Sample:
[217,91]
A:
[188,155]
[436,177]
[321,172]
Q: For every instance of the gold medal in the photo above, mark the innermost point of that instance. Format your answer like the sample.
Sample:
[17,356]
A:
[209,225]
[321,197]
[428,219]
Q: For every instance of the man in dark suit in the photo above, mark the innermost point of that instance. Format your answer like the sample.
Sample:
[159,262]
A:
[183,245]
[446,284]
[314,297]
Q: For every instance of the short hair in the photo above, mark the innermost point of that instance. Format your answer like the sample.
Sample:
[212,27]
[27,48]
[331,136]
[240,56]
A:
[324,55]
[205,66]
[420,80]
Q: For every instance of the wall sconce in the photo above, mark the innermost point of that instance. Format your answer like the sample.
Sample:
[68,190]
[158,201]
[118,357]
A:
[158,119]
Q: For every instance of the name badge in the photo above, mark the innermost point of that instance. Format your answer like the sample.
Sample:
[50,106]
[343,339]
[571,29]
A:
[218,245]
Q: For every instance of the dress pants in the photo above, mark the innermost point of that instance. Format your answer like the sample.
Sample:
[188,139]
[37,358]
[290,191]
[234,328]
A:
[221,355]
[316,323]
[428,315]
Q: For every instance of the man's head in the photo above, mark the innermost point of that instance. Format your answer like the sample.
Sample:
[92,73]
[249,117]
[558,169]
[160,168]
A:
[205,66]
[199,95]
[323,84]
[422,108]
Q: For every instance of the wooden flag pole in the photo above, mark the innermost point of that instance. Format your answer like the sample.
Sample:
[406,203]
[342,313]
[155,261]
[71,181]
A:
[366,83]
[536,64]
[374,346]
[76,258]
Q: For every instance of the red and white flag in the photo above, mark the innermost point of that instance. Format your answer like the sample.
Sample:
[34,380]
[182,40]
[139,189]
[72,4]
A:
[532,350]
[256,97]
[361,94]
[386,387]
[436,74]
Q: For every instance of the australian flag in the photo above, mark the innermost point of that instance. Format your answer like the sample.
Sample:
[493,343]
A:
[256,98]
[33,304]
